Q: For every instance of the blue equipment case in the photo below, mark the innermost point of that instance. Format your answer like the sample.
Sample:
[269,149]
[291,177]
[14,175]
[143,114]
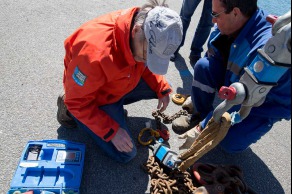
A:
[49,166]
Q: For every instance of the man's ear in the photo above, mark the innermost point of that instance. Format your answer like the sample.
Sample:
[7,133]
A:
[136,29]
[236,11]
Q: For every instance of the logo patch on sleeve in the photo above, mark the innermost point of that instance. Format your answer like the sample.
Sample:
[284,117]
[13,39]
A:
[79,77]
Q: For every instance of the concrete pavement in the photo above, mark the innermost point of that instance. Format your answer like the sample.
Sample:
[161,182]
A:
[31,66]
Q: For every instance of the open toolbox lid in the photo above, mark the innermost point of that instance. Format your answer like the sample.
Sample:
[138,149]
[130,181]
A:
[51,164]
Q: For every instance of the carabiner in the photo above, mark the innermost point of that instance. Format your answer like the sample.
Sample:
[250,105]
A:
[153,135]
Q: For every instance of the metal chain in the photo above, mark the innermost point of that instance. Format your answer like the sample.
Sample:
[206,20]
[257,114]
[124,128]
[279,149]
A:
[173,182]
[166,118]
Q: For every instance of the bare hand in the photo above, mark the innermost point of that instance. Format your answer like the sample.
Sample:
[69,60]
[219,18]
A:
[122,141]
[164,101]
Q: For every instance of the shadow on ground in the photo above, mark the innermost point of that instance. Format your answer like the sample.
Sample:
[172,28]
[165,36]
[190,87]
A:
[256,174]
[101,174]
[185,74]
[104,176]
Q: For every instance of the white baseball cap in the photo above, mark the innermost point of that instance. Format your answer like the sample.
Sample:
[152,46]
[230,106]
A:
[163,30]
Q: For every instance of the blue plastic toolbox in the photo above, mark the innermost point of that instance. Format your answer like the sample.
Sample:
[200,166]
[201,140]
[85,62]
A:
[49,166]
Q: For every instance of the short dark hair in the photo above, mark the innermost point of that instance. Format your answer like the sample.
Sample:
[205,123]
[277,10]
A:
[247,7]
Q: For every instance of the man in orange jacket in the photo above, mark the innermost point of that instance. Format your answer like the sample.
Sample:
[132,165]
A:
[115,60]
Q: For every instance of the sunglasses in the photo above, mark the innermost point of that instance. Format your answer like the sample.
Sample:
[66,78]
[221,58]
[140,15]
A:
[216,15]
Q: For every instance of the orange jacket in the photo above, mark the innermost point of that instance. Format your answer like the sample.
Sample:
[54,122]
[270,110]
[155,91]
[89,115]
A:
[100,69]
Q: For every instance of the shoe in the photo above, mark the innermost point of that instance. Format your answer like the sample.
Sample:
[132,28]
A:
[194,59]
[185,123]
[63,115]
[188,105]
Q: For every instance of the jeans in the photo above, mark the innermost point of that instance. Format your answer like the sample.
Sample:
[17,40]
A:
[203,28]
[116,112]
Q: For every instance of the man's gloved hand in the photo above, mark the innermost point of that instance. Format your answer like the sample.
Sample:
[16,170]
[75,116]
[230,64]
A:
[190,137]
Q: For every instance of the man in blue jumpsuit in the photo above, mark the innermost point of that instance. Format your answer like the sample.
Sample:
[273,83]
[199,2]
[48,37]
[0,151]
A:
[241,29]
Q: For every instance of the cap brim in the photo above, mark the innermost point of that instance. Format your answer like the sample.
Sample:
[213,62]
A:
[157,64]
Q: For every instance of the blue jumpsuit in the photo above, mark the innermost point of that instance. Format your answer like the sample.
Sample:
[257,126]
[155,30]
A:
[223,65]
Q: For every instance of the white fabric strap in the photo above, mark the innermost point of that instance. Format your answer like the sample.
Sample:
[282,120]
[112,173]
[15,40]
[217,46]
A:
[203,87]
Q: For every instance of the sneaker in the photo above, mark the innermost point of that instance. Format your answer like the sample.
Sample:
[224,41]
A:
[63,115]
[185,123]
[194,59]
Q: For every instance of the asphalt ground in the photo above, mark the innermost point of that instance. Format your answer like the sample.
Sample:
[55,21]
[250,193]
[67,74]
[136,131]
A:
[31,68]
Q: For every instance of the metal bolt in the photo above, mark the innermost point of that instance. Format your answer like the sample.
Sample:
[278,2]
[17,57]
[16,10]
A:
[271,48]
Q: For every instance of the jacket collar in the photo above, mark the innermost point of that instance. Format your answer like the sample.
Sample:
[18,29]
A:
[122,33]
[258,18]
